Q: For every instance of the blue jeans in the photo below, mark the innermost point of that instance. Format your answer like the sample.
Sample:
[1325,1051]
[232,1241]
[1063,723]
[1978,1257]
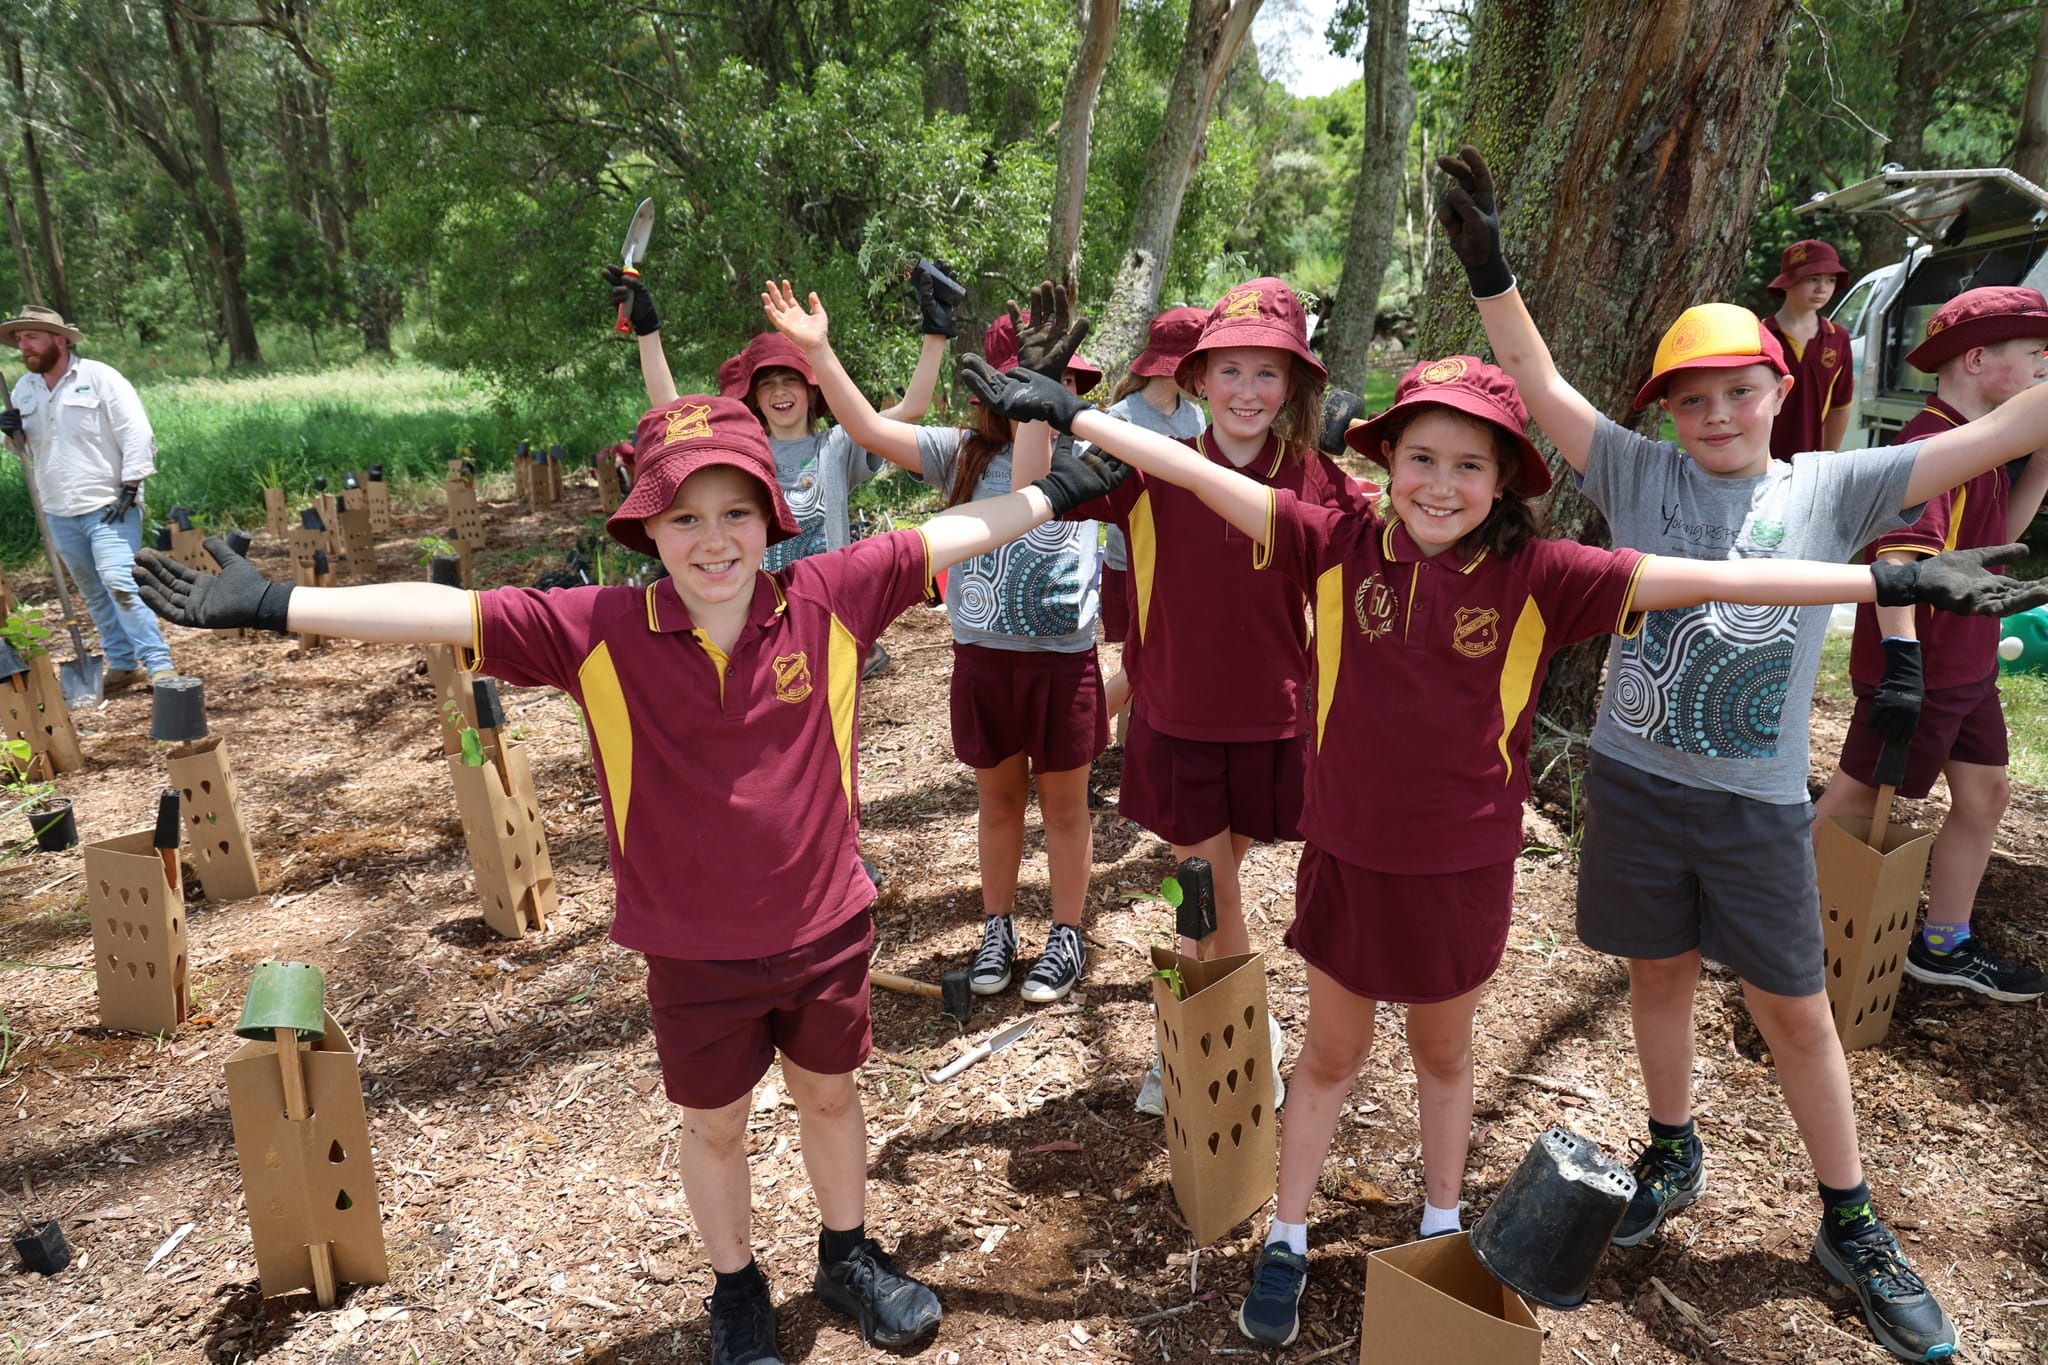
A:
[101,561]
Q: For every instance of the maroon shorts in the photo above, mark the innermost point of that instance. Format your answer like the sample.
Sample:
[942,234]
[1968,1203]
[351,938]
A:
[1116,604]
[1188,790]
[1965,724]
[1411,939]
[1044,705]
[719,1023]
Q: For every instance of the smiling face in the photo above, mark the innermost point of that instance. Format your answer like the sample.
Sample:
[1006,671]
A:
[1724,416]
[1246,386]
[713,535]
[1812,293]
[784,402]
[1444,477]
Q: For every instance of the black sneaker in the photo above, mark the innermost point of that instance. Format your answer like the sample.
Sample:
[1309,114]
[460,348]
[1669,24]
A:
[1970,967]
[1271,1311]
[892,1308]
[743,1326]
[1058,968]
[991,971]
[1666,1181]
[1901,1313]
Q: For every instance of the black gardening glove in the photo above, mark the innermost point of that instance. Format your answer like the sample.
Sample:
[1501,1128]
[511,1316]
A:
[935,299]
[1340,409]
[1895,706]
[118,508]
[1472,222]
[1049,340]
[1959,582]
[1022,395]
[10,421]
[1080,474]
[239,596]
[632,291]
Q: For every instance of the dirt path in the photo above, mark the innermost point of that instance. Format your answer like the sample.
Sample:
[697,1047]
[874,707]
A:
[526,1156]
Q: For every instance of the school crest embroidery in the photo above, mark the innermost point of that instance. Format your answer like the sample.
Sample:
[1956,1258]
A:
[1374,606]
[792,677]
[1445,371]
[1796,256]
[688,423]
[1687,339]
[1829,357]
[1935,325]
[1475,632]
[1244,303]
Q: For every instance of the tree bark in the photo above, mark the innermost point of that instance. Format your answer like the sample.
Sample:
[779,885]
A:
[1098,21]
[1216,28]
[1369,246]
[1628,145]
[38,187]
[2030,149]
[192,60]
[31,287]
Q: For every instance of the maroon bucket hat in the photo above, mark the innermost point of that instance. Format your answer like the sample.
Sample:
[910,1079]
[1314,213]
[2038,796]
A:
[1810,257]
[768,351]
[1980,317]
[1465,384]
[1172,335]
[1261,312]
[681,437]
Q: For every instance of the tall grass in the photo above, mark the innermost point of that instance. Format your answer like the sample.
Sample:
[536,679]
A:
[221,442]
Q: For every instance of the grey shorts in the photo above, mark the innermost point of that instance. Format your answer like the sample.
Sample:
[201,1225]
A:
[1666,868]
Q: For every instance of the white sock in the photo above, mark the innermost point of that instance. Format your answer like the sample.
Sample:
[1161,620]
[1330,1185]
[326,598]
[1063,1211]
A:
[1435,1220]
[1295,1235]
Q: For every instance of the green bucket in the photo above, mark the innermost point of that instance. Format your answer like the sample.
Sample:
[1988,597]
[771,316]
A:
[2030,629]
[284,995]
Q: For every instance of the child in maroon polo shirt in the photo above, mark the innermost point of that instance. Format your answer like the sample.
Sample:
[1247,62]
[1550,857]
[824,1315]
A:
[720,708]
[1816,415]
[1434,626]
[1026,690]
[1984,346]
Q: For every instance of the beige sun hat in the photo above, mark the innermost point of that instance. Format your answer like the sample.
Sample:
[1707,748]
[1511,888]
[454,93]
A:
[38,318]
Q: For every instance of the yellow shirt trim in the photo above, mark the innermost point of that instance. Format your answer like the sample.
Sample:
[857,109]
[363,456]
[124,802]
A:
[1518,675]
[842,683]
[720,661]
[1262,550]
[611,731]
[473,658]
[1329,643]
[1144,556]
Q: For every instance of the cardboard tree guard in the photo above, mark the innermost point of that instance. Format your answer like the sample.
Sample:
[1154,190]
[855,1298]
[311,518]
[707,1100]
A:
[375,496]
[352,529]
[32,708]
[608,472]
[276,512]
[508,847]
[189,548]
[1216,1070]
[138,934]
[1433,1301]
[1868,904]
[214,828]
[454,696]
[310,1182]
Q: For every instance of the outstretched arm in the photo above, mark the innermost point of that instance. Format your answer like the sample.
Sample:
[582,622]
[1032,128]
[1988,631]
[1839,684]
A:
[1956,581]
[924,382]
[894,441]
[240,597]
[630,291]
[1472,224]
[2016,427]
[2027,493]
[974,528]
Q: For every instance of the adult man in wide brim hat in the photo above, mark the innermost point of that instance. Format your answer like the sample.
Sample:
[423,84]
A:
[92,447]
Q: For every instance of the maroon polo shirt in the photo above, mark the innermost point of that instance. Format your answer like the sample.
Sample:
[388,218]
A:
[1216,651]
[1955,651]
[729,783]
[1822,383]
[1426,674]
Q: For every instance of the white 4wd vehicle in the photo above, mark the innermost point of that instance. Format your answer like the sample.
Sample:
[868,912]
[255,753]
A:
[1966,229]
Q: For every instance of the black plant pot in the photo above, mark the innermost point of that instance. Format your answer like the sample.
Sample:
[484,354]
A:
[178,710]
[54,823]
[1551,1222]
[447,569]
[43,1248]
[11,663]
[239,541]
[376,473]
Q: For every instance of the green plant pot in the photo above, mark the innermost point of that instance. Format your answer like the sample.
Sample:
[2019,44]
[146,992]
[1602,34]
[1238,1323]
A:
[284,995]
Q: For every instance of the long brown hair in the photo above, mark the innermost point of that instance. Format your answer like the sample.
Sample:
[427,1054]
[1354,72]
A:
[990,435]
[1512,523]
[1299,422]
[1128,385]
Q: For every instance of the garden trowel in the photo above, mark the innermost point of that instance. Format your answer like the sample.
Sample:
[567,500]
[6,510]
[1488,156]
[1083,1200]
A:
[637,233]
[983,1051]
[83,675]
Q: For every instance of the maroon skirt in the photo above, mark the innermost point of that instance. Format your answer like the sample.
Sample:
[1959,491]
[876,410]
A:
[1045,705]
[1411,939]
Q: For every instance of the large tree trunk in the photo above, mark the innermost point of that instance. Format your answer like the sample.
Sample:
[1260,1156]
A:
[2030,149]
[1215,30]
[38,188]
[31,287]
[1097,19]
[1389,111]
[1628,146]
[192,58]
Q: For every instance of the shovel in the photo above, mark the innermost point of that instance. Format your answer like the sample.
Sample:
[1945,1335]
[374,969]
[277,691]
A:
[637,233]
[83,676]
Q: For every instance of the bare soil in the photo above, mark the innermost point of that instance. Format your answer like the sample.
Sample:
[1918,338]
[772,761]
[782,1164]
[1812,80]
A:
[525,1153]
